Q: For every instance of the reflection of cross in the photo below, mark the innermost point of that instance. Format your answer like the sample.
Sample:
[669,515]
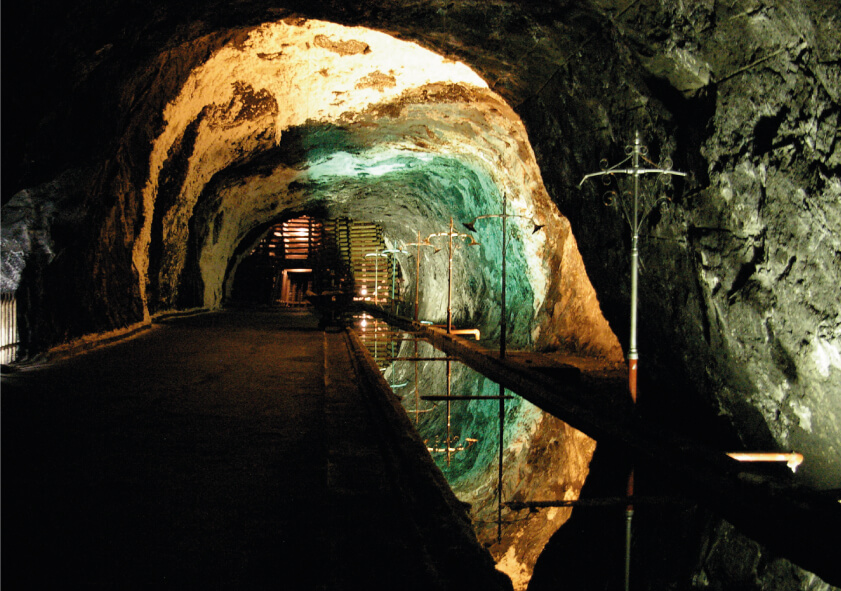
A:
[449,398]
[417,410]
[503,331]
[452,447]
[502,398]
[450,235]
[635,219]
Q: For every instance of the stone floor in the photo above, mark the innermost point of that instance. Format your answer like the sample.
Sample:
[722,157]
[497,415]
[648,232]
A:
[237,450]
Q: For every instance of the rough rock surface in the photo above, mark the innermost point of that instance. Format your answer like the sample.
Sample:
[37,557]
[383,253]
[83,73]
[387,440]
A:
[740,338]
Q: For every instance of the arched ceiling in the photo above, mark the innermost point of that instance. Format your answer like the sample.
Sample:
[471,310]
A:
[305,115]
[121,165]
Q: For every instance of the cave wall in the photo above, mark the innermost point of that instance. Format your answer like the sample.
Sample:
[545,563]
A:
[221,163]
[740,270]
[82,227]
[740,340]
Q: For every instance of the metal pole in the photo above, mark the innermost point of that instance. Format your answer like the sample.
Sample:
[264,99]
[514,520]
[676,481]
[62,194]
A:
[393,354]
[393,279]
[376,339]
[633,354]
[629,515]
[503,330]
[499,481]
[504,324]
[435,397]
[417,384]
[417,278]
[450,281]
[449,403]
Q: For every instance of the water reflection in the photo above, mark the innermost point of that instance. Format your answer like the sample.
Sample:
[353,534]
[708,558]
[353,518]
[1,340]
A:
[456,411]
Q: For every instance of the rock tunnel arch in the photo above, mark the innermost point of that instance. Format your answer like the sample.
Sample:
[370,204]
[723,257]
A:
[741,308]
[306,115]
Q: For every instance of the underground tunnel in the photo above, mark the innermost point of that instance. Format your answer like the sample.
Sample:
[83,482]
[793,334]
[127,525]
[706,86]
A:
[151,154]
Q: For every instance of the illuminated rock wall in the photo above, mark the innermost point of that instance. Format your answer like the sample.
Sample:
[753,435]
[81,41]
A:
[149,146]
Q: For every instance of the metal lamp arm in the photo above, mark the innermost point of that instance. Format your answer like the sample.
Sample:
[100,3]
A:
[473,241]
[632,171]
[613,169]
[470,225]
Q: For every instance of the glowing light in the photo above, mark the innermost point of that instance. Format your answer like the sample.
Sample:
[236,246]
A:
[792,460]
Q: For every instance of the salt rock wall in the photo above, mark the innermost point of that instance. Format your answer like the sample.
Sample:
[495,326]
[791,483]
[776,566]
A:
[740,271]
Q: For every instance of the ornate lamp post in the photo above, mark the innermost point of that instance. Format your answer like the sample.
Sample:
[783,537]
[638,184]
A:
[503,327]
[636,216]
[419,244]
[450,235]
[393,252]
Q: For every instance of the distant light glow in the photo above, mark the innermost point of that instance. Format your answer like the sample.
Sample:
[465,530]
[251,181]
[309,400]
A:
[792,460]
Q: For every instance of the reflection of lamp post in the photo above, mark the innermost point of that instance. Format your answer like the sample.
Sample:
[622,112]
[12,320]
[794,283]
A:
[417,269]
[502,398]
[635,219]
[450,235]
[418,244]
[504,216]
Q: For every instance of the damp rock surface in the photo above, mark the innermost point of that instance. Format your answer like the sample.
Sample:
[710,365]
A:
[118,205]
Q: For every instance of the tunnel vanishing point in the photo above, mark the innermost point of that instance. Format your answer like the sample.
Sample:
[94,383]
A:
[148,148]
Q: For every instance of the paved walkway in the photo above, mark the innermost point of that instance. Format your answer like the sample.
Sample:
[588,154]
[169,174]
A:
[239,450]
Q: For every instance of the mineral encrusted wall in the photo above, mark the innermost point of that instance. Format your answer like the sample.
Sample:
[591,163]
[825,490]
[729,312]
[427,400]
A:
[741,268]
[740,338]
